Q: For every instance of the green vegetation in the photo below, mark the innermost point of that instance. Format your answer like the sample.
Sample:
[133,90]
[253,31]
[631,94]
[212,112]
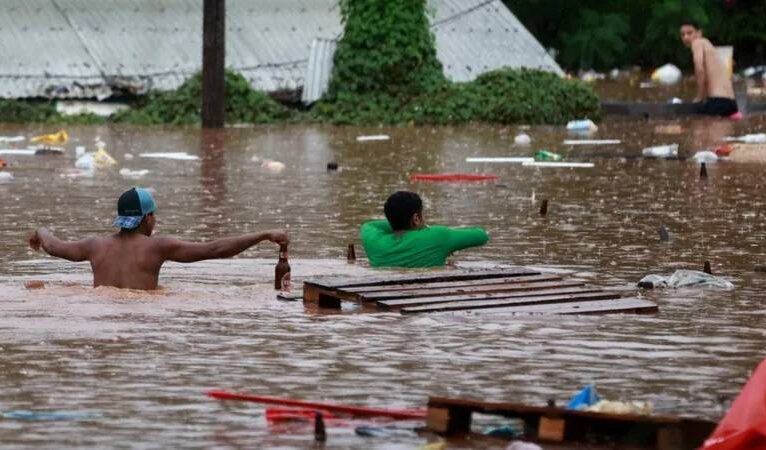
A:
[182,106]
[386,72]
[602,34]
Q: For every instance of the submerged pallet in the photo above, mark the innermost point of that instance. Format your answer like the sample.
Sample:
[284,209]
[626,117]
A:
[514,290]
[564,426]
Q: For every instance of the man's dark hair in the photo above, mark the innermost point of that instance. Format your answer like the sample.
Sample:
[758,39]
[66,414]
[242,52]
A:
[400,207]
[690,22]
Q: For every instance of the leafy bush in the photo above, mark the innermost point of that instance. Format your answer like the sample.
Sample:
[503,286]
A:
[387,47]
[15,111]
[502,96]
[183,105]
[599,41]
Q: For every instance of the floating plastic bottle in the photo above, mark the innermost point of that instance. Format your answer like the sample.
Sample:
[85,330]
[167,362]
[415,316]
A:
[661,151]
[582,125]
[545,155]
[667,75]
[522,139]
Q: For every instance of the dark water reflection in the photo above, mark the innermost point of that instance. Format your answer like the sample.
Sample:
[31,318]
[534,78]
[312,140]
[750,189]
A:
[145,360]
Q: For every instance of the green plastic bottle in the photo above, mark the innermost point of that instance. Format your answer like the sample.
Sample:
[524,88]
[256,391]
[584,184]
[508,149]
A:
[545,155]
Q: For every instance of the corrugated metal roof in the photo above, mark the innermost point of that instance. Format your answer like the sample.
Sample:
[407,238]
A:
[319,69]
[87,48]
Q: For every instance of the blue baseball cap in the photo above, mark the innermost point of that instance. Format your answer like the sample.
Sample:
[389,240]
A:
[132,206]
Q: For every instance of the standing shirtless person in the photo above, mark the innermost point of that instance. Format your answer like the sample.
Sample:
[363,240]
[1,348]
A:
[132,258]
[715,94]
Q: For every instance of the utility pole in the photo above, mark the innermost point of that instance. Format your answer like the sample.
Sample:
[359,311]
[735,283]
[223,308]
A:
[213,63]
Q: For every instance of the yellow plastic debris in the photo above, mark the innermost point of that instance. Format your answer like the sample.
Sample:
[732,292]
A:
[61,137]
[103,159]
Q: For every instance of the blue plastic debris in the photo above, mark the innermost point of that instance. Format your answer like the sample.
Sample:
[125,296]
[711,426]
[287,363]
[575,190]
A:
[588,396]
[49,415]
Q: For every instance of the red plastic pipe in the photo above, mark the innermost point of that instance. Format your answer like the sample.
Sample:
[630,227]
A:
[402,414]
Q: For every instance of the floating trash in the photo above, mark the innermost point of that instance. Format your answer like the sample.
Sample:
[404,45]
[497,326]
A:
[759,138]
[592,142]
[617,407]
[505,159]
[522,139]
[685,278]
[582,125]
[11,139]
[451,177]
[374,137]
[573,165]
[18,152]
[61,137]
[178,156]
[546,155]
[667,75]
[661,151]
[705,156]
[133,174]
[50,415]
[273,166]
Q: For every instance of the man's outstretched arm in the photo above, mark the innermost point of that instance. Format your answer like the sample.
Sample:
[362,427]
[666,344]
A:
[72,251]
[186,252]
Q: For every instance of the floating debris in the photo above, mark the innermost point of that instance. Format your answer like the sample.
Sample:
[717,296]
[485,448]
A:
[374,137]
[592,142]
[580,165]
[61,137]
[506,159]
[178,156]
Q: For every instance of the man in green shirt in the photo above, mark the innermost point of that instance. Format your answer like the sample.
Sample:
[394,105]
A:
[404,240]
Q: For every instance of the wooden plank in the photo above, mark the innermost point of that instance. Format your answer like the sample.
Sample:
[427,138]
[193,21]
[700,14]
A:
[563,288]
[454,420]
[420,277]
[622,305]
[528,302]
[509,409]
[551,429]
[442,284]
[522,283]
[571,427]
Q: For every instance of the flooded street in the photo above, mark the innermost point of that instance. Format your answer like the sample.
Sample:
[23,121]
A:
[142,362]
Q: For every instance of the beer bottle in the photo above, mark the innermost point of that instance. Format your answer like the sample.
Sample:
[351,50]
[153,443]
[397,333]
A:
[282,271]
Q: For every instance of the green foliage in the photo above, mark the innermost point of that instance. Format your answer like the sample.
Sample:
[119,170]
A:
[504,96]
[386,72]
[182,106]
[599,41]
[18,111]
[653,29]
[662,40]
[387,47]
[38,111]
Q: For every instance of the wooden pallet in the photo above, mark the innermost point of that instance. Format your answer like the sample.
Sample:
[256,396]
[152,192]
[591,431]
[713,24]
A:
[564,426]
[514,290]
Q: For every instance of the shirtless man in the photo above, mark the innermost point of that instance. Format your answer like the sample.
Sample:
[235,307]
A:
[131,258]
[715,94]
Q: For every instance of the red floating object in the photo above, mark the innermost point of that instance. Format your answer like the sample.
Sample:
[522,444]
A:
[400,414]
[736,116]
[451,177]
[744,426]
[724,150]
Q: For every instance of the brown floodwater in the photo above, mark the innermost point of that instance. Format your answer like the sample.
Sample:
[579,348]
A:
[141,362]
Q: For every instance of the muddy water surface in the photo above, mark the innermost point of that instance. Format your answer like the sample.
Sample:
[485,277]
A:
[141,362]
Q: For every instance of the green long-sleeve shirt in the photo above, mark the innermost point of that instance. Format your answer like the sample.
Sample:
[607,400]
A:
[426,247]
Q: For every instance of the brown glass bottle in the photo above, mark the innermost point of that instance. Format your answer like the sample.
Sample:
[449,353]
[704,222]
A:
[282,271]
